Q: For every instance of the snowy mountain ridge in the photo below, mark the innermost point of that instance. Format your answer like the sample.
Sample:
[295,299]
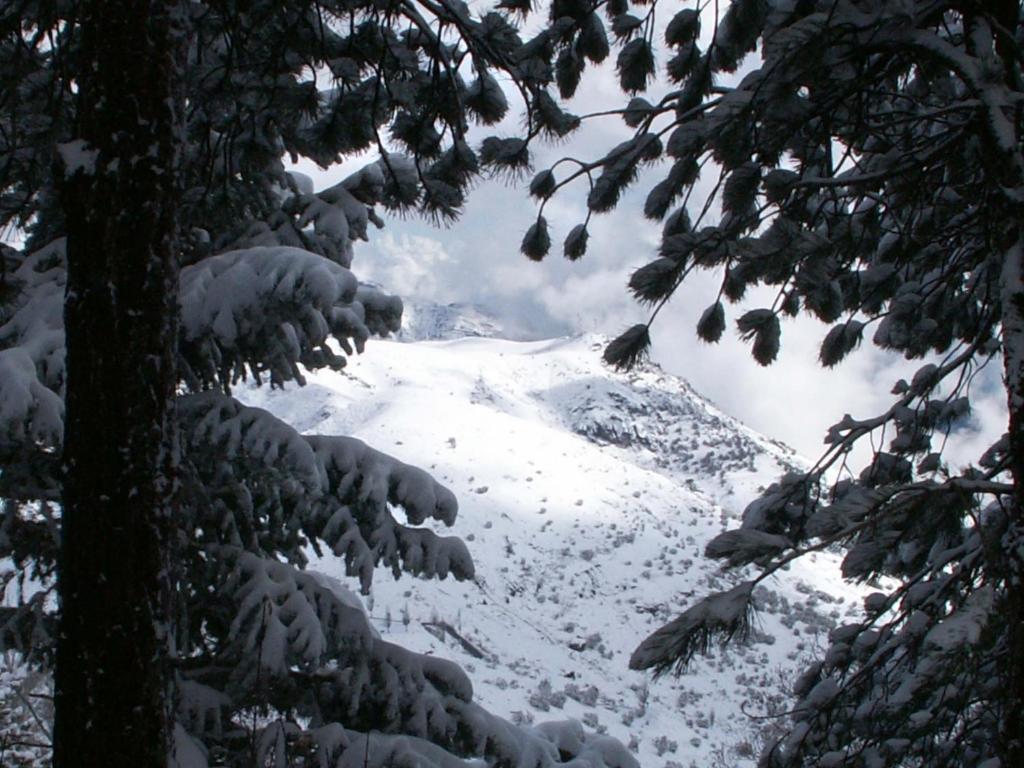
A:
[429,321]
[586,498]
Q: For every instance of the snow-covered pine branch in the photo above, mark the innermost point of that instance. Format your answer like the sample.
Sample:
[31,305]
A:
[32,352]
[265,488]
[717,618]
[368,483]
[272,309]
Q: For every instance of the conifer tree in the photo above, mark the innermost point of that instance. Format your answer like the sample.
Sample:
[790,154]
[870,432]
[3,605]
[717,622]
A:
[164,254]
[864,161]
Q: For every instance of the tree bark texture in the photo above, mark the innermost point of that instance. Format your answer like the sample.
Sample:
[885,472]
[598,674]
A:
[119,193]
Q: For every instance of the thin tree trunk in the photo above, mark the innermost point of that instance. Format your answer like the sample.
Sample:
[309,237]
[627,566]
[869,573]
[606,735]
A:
[119,195]
[1007,165]
[1013,357]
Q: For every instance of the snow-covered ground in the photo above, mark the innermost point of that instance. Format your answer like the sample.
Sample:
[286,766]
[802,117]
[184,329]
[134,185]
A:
[586,497]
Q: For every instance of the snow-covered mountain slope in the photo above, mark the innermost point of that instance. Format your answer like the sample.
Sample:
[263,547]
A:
[586,497]
[428,321]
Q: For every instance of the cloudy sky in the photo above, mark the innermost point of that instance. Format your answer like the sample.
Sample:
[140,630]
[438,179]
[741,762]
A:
[477,260]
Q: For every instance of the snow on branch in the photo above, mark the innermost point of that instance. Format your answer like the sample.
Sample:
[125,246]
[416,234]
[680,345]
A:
[785,506]
[259,476]
[258,310]
[30,412]
[585,748]
[32,352]
[235,430]
[303,640]
[852,503]
[29,628]
[379,750]
[200,707]
[286,618]
[302,643]
[560,743]
[718,617]
[366,536]
[963,627]
[353,468]
[382,312]
[538,747]
[272,309]
[746,545]
[362,528]
[251,480]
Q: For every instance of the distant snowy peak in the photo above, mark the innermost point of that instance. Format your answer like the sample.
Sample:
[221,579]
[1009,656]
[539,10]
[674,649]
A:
[665,425]
[427,321]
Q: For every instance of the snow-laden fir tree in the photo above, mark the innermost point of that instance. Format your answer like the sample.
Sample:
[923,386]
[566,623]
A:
[863,159]
[163,253]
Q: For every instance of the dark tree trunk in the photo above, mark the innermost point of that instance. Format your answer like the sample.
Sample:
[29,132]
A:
[119,194]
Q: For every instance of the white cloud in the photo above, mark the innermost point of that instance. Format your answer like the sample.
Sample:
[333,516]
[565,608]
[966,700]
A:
[407,264]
